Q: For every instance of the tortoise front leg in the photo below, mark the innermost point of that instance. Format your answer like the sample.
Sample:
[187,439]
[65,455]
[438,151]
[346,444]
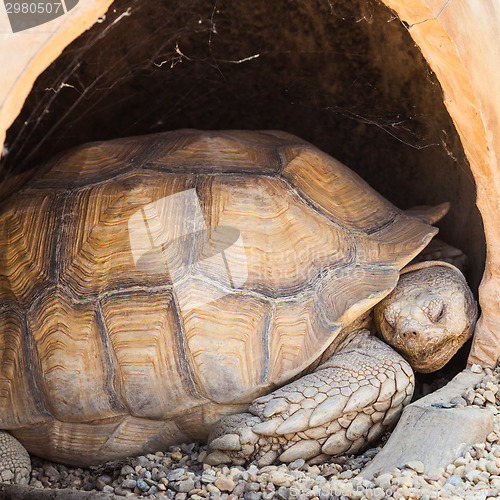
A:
[345,404]
[15,463]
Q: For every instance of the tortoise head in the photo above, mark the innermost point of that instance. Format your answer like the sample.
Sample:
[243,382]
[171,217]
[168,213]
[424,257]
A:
[428,316]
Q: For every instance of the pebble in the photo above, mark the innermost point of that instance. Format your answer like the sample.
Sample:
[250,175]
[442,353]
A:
[185,486]
[455,480]
[179,473]
[224,484]
[129,483]
[252,495]
[416,465]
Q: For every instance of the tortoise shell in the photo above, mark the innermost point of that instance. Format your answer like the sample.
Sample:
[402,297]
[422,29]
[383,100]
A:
[152,284]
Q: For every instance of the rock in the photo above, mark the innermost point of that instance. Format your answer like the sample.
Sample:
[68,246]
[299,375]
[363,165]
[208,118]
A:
[435,474]
[129,483]
[253,486]
[239,489]
[489,396]
[52,473]
[185,486]
[324,494]
[282,493]
[346,474]
[473,476]
[415,465]
[383,481]
[252,495]
[455,480]
[176,474]
[297,464]
[279,478]
[432,434]
[123,492]
[126,469]
[314,469]
[404,481]
[103,481]
[225,484]
[208,478]
[142,461]
[143,486]
[212,489]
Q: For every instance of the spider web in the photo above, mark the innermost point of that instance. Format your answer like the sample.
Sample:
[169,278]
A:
[259,67]
[344,75]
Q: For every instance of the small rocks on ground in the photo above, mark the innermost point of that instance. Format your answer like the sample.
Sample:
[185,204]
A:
[179,473]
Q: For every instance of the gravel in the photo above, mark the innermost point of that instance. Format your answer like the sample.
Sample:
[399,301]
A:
[179,473]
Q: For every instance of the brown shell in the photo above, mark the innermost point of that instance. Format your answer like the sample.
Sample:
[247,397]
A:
[103,357]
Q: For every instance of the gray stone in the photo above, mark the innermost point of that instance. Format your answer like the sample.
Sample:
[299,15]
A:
[297,464]
[123,492]
[455,480]
[208,478]
[325,494]
[186,485]
[239,489]
[129,483]
[433,434]
[142,485]
[252,495]
[176,474]
[282,493]
[142,461]
[253,486]
[415,465]
[127,469]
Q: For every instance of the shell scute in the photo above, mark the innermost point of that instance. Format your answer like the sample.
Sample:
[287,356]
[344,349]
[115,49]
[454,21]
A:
[189,270]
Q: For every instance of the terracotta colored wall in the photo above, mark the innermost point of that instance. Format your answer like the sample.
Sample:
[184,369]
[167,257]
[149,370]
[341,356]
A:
[458,39]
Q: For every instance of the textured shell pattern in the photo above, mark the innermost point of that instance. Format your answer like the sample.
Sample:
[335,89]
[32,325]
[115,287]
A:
[152,284]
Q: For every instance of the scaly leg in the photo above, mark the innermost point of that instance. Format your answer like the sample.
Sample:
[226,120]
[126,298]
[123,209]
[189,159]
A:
[345,404]
[15,463]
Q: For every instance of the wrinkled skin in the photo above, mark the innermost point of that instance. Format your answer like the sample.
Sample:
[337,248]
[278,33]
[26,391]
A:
[350,399]
[427,317]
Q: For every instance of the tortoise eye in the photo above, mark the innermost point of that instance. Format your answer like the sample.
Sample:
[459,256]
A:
[441,313]
[436,311]
[390,316]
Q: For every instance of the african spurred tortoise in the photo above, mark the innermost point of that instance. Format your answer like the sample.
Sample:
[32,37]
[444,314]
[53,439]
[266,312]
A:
[151,286]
